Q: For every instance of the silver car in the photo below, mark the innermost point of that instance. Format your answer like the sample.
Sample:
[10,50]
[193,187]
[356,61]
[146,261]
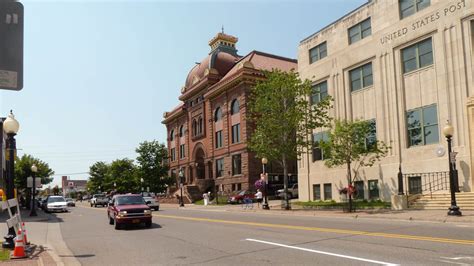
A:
[56,203]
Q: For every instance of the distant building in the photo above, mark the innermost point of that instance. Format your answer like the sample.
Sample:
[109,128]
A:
[407,67]
[208,131]
[69,185]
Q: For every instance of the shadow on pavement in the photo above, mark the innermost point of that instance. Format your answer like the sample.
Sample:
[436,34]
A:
[141,227]
[78,256]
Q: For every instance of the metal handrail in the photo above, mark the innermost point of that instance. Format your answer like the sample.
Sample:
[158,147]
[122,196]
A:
[430,182]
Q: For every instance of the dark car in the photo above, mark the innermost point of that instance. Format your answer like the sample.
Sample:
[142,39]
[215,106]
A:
[240,196]
[128,209]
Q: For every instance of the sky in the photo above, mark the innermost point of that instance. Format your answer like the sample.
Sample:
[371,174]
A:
[98,75]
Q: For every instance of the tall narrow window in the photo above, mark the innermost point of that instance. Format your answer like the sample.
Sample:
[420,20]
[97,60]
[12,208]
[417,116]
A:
[220,167]
[327,191]
[173,154]
[360,31]
[234,107]
[200,126]
[410,7]
[219,141]
[319,92]
[317,192]
[317,53]
[236,133]
[182,151]
[371,139]
[359,187]
[181,131]
[361,77]
[236,164]
[172,135]
[417,56]
[318,153]
[422,126]
[195,132]
[217,114]
[373,189]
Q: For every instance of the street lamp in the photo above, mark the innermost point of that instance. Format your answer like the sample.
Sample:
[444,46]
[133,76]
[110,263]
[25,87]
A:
[11,127]
[448,132]
[34,170]
[265,205]
[181,184]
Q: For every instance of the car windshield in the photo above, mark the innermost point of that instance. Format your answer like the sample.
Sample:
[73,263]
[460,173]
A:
[68,199]
[241,193]
[56,199]
[130,200]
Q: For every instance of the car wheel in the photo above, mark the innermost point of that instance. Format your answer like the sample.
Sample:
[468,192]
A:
[117,226]
[157,208]
[91,204]
[148,224]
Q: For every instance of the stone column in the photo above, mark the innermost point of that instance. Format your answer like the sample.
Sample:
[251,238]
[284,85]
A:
[470,118]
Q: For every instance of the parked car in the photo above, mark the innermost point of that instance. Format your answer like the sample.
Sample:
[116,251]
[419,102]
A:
[99,199]
[151,201]
[128,209]
[70,202]
[240,196]
[56,203]
[292,192]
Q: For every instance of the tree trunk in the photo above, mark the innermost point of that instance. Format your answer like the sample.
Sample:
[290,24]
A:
[285,182]
[349,181]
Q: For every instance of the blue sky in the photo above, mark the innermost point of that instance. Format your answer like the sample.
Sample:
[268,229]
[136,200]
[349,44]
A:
[98,75]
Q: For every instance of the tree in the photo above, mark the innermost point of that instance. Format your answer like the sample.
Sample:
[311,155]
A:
[98,173]
[152,166]
[123,173]
[283,117]
[56,190]
[353,143]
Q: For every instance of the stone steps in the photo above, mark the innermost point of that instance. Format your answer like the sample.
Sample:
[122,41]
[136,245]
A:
[440,201]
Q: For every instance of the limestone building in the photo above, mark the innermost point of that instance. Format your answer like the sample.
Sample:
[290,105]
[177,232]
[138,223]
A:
[208,131]
[407,67]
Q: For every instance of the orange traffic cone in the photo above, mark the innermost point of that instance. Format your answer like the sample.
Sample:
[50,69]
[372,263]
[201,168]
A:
[19,251]
[23,229]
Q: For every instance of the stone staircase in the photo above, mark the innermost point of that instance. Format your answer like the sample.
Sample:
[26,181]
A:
[441,201]
[193,192]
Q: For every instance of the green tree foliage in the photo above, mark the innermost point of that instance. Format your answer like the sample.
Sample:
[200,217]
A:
[283,117]
[124,174]
[98,173]
[152,166]
[23,170]
[56,190]
[349,145]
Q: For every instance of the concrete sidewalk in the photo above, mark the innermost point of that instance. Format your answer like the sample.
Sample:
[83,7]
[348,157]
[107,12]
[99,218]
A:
[44,234]
[439,216]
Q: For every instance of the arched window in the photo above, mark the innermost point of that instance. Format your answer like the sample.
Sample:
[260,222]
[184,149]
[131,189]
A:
[234,107]
[172,135]
[194,127]
[200,126]
[181,131]
[217,114]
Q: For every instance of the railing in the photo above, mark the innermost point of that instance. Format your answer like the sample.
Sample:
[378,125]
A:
[425,183]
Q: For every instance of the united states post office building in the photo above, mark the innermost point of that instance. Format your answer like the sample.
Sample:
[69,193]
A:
[407,67]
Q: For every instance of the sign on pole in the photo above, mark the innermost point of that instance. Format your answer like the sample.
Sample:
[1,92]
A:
[11,46]
[29,182]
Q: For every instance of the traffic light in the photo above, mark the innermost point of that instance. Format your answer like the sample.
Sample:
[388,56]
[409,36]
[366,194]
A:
[11,45]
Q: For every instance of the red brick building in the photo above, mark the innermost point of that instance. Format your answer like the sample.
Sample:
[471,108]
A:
[208,131]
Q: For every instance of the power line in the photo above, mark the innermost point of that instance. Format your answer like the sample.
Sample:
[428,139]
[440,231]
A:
[71,174]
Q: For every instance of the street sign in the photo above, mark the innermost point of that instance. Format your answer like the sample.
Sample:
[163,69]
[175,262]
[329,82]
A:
[11,45]
[29,182]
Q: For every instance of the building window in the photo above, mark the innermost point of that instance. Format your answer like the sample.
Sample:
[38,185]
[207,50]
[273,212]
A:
[217,114]
[422,126]
[239,186]
[373,189]
[371,139]
[181,131]
[318,153]
[172,135]
[173,173]
[417,56]
[219,139]
[236,133]
[173,154]
[236,164]
[181,151]
[194,127]
[317,53]
[220,167]
[359,187]
[359,31]
[234,107]
[200,126]
[233,187]
[317,192]
[410,7]
[361,77]
[327,191]
[319,92]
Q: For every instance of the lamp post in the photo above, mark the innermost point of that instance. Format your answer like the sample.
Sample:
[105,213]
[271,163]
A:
[34,170]
[11,127]
[265,205]
[181,184]
[448,132]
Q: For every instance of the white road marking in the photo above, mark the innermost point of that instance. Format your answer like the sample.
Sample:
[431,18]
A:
[321,252]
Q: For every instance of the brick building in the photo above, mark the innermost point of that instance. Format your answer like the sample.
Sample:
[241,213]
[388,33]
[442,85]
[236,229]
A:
[208,131]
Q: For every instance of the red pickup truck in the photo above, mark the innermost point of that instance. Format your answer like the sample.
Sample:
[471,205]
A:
[128,209]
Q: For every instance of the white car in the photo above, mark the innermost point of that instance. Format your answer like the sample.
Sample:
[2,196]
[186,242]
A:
[292,192]
[152,203]
[56,203]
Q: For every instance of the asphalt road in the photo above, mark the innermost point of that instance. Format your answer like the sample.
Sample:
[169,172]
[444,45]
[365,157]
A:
[228,238]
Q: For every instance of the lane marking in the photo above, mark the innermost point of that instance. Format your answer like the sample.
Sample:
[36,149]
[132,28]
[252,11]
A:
[321,252]
[325,230]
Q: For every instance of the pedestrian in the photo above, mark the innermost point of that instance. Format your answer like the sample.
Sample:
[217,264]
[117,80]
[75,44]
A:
[259,197]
